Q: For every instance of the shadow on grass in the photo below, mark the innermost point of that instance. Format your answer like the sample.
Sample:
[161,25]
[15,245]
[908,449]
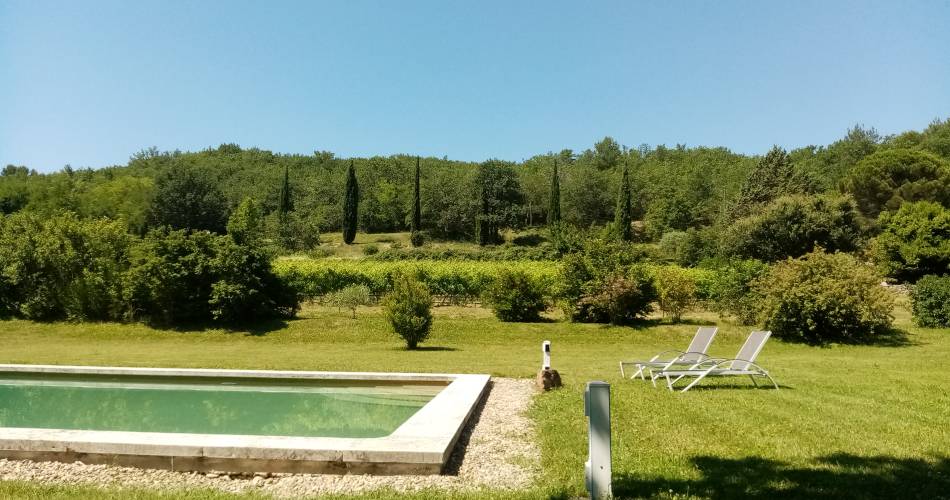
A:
[834,476]
[429,348]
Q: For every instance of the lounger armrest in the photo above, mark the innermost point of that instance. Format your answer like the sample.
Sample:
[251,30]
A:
[669,351]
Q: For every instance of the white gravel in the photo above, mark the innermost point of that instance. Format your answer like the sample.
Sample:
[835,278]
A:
[496,450]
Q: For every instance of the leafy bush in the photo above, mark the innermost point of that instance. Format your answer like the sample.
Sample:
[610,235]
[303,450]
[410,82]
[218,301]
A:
[930,300]
[409,309]
[731,291]
[824,297]
[370,249]
[794,225]
[351,297]
[180,277]
[914,241]
[417,239]
[516,296]
[619,299]
[61,267]
[888,178]
[676,291]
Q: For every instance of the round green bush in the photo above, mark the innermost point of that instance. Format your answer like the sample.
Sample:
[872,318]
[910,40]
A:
[409,309]
[931,301]
[516,296]
[824,297]
[620,299]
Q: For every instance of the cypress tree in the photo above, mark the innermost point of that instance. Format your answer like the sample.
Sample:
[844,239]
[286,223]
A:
[351,201]
[483,228]
[554,210]
[416,221]
[284,203]
[623,217]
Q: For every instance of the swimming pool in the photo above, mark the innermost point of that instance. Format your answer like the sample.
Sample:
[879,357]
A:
[235,420]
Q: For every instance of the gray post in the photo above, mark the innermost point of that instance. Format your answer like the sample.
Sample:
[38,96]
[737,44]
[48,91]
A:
[546,355]
[597,410]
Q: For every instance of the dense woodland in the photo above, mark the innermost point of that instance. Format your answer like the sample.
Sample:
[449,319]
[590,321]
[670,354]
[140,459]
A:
[875,199]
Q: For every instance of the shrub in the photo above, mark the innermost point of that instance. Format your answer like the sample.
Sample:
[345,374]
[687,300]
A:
[516,296]
[61,267]
[351,297]
[417,239]
[619,299]
[824,297]
[914,241]
[181,277]
[409,309]
[370,249]
[931,301]
[794,225]
[676,291]
[731,291]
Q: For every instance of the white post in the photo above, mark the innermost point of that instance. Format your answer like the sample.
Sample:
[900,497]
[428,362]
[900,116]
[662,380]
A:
[597,469]
[546,355]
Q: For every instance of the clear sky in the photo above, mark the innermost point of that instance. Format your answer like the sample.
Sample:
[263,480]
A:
[90,82]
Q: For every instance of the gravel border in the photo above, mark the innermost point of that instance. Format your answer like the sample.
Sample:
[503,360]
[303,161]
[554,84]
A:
[496,450]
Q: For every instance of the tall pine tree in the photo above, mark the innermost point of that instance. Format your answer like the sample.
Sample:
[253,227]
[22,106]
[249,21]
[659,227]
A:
[554,210]
[415,237]
[284,202]
[351,201]
[623,217]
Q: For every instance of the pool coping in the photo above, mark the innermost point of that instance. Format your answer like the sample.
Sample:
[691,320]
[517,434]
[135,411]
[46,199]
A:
[421,445]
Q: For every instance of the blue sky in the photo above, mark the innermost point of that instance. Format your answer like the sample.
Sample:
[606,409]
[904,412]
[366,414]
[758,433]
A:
[88,82]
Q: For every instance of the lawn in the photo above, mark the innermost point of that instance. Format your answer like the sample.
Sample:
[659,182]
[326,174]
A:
[848,421]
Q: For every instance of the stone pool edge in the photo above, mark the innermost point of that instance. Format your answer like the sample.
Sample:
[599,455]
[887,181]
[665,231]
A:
[421,445]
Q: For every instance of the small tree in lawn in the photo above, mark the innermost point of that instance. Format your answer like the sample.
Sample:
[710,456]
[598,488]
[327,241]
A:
[351,297]
[351,201]
[409,309]
[554,210]
[415,224]
[623,218]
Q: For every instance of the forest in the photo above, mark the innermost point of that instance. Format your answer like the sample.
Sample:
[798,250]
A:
[875,199]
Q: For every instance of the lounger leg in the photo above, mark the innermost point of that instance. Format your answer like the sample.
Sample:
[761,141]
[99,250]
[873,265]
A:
[752,377]
[621,371]
[668,383]
[691,384]
[771,379]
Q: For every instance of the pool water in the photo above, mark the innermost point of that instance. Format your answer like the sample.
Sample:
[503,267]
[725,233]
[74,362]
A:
[211,405]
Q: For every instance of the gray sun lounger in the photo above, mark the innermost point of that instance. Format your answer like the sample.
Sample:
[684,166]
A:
[742,364]
[693,354]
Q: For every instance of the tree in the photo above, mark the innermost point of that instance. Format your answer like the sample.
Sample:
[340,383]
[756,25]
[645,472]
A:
[623,217]
[554,212]
[284,201]
[888,178]
[415,224]
[772,177]
[351,201]
[794,225]
[188,198]
[914,241]
[607,154]
[499,198]
[245,226]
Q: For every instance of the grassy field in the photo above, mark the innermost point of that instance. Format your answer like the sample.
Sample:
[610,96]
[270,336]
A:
[848,421]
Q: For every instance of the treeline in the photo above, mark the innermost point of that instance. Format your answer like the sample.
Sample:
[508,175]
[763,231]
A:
[696,202]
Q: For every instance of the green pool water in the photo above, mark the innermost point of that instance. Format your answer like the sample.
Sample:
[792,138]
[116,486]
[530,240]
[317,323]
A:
[205,405]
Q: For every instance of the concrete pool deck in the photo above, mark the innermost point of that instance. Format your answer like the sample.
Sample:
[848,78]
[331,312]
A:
[421,445]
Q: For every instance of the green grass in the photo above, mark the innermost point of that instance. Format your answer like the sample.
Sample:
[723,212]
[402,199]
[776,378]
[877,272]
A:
[849,421]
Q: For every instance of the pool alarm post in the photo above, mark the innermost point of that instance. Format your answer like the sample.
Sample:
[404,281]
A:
[597,469]
[547,378]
